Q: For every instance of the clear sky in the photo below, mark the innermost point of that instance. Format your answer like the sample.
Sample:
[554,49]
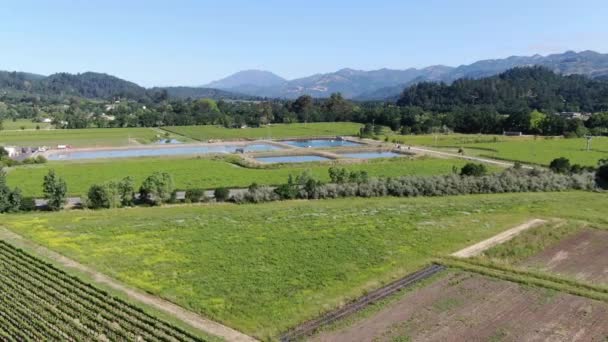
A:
[180,42]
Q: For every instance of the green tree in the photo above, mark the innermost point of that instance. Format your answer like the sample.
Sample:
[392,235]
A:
[560,165]
[157,188]
[10,199]
[126,191]
[98,197]
[472,169]
[221,194]
[536,121]
[55,191]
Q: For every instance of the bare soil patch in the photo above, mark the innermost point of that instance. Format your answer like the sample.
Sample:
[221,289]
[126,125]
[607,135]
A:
[468,307]
[583,256]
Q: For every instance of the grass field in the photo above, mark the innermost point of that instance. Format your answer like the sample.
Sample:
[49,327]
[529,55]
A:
[524,149]
[265,268]
[206,172]
[90,137]
[23,123]
[275,131]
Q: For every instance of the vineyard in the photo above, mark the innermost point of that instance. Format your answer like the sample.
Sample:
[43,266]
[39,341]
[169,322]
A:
[39,302]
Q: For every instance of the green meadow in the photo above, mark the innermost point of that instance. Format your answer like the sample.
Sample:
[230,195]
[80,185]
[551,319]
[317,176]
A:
[275,131]
[265,268]
[19,124]
[540,150]
[89,137]
[207,173]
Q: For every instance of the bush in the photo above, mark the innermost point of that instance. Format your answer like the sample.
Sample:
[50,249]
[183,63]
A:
[194,195]
[27,204]
[104,196]
[601,175]
[560,165]
[221,194]
[157,188]
[126,191]
[98,197]
[471,169]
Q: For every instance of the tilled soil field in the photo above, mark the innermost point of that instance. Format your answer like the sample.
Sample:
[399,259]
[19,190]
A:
[467,307]
[583,256]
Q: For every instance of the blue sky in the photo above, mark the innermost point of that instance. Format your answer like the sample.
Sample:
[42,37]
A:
[184,42]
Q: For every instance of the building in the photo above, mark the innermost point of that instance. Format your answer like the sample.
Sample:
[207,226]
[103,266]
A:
[574,115]
[12,151]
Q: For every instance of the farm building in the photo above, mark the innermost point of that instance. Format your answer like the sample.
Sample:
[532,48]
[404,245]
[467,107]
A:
[12,151]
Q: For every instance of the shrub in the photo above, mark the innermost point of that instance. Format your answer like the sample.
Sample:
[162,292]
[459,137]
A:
[601,175]
[98,197]
[221,194]
[471,169]
[157,188]
[560,165]
[126,191]
[194,195]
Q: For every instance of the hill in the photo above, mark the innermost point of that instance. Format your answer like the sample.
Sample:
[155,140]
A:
[251,82]
[385,84]
[92,85]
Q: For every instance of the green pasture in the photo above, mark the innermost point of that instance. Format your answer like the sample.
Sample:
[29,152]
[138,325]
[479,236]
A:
[19,124]
[89,137]
[527,149]
[274,131]
[265,268]
[207,173]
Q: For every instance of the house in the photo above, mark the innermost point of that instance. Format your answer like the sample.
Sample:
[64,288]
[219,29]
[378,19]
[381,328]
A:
[46,120]
[512,134]
[12,151]
[574,115]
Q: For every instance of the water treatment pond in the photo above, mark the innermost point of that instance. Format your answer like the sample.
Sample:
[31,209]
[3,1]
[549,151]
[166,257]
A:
[320,143]
[151,152]
[290,159]
[371,155]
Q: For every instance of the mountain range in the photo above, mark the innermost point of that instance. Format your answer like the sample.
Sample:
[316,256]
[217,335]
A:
[382,84]
[389,83]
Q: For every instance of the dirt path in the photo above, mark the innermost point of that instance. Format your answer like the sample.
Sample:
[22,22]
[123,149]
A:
[478,248]
[178,312]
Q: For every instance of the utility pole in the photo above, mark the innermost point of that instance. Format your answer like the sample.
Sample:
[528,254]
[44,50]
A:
[588,137]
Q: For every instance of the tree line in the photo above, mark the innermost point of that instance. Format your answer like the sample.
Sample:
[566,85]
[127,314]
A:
[520,99]
[159,188]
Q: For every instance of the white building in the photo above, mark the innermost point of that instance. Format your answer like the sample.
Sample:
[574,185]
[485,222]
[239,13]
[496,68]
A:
[12,151]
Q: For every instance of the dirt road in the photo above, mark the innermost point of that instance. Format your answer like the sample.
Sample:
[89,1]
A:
[178,312]
[478,248]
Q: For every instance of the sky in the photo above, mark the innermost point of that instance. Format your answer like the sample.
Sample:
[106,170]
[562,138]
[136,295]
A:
[181,42]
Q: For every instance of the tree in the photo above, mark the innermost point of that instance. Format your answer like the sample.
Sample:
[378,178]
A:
[472,169]
[10,199]
[104,196]
[536,120]
[221,194]
[3,152]
[55,191]
[157,188]
[98,197]
[601,174]
[560,165]
[126,191]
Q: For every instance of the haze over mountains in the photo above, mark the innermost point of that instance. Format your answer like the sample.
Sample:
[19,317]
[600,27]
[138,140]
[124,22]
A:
[387,83]
[379,84]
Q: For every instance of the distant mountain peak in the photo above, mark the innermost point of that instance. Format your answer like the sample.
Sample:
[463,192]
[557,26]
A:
[248,78]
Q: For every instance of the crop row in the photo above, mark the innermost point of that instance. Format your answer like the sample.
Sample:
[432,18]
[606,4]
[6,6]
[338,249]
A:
[41,302]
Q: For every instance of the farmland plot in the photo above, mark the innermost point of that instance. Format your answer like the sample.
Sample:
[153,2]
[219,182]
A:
[40,302]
